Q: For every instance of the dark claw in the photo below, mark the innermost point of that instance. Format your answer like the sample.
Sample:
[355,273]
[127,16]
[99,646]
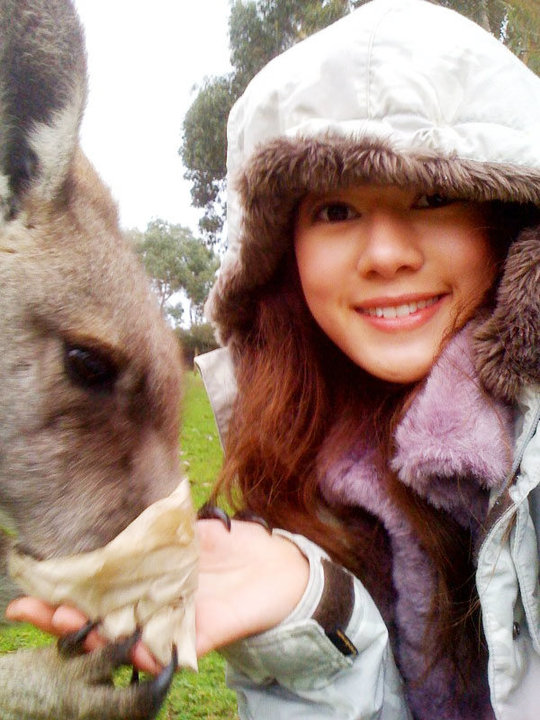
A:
[121,650]
[162,682]
[159,687]
[248,516]
[209,511]
[134,677]
[72,643]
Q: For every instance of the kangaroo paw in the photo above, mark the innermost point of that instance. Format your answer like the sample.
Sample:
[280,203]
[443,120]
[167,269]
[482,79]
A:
[58,682]
[142,701]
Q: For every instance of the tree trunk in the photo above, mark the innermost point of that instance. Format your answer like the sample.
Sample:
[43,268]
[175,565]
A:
[483,16]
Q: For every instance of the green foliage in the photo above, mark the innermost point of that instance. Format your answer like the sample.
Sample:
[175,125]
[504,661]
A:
[201,448]
[514,22]
[17,636]
[523,31]
[201,696]
[195,340]
[176,261]
[258,31]
[261,29]
[203,149]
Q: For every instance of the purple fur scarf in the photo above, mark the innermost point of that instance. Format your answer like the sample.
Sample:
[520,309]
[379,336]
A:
[453,445]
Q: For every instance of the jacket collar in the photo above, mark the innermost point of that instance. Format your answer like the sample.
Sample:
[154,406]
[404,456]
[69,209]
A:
[453,445]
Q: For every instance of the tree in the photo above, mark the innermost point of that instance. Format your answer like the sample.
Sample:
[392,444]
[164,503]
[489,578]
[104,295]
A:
[204,149]
[196,340]
[258,31]
[523,31]
[201,267]
[514,22]
[176,262]
[261,29]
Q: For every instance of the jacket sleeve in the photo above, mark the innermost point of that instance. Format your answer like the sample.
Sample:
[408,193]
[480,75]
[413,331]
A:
[329,659]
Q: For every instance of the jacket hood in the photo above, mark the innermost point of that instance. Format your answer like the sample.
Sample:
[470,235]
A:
[397,92]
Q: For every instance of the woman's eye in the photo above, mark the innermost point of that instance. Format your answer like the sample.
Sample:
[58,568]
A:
[335,212]
[432,201]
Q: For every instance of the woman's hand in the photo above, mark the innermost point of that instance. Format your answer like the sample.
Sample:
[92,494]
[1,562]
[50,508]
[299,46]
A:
[249,581]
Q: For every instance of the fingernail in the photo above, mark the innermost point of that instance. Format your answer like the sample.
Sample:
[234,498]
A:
[12,611]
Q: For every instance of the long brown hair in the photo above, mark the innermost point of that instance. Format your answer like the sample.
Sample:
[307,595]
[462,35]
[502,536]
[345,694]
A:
[298,394]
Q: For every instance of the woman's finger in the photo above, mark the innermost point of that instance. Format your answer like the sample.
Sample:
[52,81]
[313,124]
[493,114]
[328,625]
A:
[32,610]
[144,660]
[67,619]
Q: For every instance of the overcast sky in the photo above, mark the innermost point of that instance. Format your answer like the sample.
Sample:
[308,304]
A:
[145,57]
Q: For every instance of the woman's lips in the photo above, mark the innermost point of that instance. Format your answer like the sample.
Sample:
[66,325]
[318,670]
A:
[400,314]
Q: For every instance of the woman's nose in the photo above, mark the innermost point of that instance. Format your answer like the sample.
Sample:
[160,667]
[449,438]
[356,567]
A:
[390,246]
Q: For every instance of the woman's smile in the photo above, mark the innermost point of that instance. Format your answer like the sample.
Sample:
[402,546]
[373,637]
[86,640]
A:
[398,314]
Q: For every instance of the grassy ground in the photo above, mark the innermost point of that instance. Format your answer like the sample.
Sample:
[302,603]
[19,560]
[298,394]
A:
[201,696]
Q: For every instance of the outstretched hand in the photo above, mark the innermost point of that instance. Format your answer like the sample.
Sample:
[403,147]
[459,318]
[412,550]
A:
[249,580]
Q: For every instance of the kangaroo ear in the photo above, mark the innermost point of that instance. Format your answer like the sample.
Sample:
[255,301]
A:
[42,91]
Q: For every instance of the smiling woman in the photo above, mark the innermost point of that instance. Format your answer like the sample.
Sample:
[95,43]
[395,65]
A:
[389,273]
[379,306]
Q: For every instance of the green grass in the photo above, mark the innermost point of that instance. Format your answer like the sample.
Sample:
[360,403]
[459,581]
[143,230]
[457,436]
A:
[193,696]
[200,446]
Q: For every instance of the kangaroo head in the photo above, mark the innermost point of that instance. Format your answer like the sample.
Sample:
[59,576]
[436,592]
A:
[89,370]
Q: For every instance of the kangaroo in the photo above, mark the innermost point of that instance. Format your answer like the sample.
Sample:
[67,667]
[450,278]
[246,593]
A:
[90,374]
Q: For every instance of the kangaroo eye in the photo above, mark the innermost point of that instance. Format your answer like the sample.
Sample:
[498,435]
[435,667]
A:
[90,368]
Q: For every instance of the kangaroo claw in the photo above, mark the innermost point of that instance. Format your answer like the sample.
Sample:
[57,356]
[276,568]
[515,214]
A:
[149,696]
[248,516]
[72,643]
[159,687]
[209,511]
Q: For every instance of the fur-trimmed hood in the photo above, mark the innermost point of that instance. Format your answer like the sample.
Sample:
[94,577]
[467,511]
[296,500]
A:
[401,92]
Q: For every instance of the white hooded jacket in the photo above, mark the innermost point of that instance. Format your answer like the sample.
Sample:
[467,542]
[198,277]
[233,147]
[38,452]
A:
[400,91]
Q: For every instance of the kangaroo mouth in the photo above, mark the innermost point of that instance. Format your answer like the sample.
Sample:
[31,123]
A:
[145,578]
[24,551]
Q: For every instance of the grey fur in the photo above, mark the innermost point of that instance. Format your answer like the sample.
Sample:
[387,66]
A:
[77,463]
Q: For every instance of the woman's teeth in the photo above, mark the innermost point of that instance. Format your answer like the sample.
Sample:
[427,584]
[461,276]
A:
[401,310]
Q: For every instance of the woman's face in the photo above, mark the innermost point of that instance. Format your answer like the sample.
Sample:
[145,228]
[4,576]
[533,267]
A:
[388,273]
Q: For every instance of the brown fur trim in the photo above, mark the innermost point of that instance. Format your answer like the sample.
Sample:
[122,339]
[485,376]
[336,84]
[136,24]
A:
[287,167]
[284,170]
[507,344]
